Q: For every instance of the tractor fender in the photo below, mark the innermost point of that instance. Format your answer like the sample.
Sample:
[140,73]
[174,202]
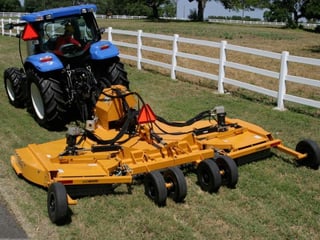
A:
[44,62]
[103,50]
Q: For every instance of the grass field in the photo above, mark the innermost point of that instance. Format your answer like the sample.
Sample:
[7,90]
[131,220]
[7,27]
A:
[274,199]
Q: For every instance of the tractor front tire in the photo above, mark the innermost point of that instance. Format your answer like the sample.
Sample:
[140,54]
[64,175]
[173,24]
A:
[14,84]
[46,101]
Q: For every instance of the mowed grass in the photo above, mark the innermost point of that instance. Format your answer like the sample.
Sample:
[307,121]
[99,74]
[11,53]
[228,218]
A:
[274,199]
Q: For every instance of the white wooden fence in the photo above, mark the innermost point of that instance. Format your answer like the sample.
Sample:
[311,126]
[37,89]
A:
[222,62]
[263,23]
[282,76]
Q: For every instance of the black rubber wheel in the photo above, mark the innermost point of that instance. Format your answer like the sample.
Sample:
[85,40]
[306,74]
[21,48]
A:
[229,170]
[46,101]
[57,203]
[15,85]
[178,185]
[208,176]
[155,188]
[111,72]
[313,150]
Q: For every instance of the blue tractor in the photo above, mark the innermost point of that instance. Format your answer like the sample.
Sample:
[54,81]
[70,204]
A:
[67,66]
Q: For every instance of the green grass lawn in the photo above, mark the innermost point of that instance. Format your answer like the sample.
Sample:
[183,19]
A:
[274,198]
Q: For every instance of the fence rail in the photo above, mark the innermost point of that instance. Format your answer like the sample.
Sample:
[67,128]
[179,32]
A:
[222,62]
[273,24]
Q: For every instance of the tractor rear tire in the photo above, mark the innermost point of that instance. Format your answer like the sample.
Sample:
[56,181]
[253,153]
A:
[57,203]
[155,188]
[178,189]
[46,101]
[208,176]
[229,168]
[15,86]
[313,150]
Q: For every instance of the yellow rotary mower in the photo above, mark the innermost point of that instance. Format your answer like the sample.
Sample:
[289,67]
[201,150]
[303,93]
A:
[125,141]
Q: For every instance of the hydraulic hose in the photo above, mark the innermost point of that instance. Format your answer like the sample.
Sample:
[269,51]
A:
[189,122]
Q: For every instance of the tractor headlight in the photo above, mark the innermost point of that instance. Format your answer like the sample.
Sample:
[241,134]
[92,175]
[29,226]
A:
[39,18]
[48,17]
[87,10]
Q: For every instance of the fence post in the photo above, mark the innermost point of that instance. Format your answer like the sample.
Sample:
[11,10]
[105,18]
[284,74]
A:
[221,66]
[10,31]
[2,26]
[139,49]
[282,80]
[18,28]
[174,56]
[110,34]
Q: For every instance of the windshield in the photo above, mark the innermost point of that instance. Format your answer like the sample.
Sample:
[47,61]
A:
[80,28]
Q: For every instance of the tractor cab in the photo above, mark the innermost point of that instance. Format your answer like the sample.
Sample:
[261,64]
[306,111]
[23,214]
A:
[66,35]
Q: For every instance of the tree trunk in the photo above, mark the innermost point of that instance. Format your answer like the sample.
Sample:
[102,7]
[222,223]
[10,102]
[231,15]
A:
[155,12]
[295,17]
[201,7]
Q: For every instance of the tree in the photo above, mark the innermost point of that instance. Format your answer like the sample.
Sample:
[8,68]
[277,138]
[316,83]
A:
[276,13]
[36,5]
[291,11]
[163,6]
[201,7]
[285,10]
[125,7]
[243,5]
[154,5]
[169,9]
[10,5]
[311,10]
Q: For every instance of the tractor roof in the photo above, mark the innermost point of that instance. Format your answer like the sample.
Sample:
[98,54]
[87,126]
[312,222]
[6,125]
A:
[59,12]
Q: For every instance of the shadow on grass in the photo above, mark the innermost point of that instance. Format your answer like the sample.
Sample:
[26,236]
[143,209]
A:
[315,49]
[269,101]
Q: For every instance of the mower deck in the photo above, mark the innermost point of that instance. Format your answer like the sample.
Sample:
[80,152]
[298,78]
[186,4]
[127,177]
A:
[45,163]
[120,146]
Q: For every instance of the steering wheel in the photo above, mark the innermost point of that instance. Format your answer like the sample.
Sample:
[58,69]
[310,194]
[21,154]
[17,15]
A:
[69,48]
